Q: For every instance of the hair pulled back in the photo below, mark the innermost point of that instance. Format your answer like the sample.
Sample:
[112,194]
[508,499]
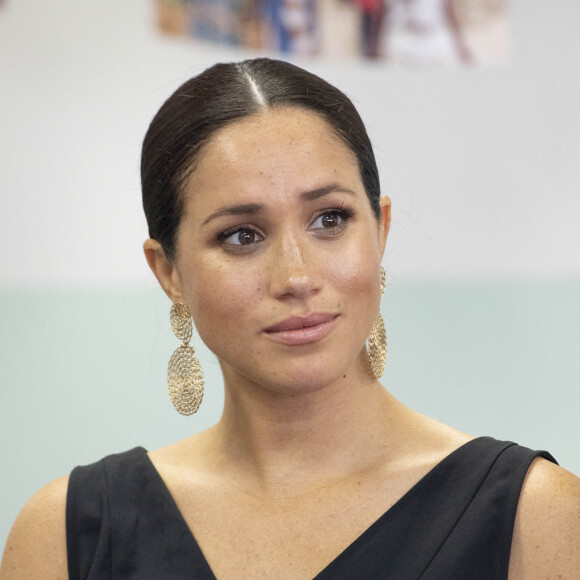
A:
[219,96]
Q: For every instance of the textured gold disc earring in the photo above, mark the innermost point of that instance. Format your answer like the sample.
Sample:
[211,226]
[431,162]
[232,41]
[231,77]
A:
[184,374]
[378,339]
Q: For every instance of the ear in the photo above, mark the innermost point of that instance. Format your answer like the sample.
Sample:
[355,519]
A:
[164,270]
[385,224]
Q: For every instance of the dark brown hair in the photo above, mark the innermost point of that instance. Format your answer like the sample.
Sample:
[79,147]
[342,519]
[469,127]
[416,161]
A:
[219,96]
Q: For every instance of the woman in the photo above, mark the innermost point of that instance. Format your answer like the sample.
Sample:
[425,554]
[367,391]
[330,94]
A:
[267,227]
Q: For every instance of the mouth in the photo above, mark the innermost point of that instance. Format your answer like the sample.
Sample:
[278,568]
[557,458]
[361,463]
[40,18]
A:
[297,330]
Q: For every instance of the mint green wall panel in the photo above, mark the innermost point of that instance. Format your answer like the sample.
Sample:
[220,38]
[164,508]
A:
[83,371]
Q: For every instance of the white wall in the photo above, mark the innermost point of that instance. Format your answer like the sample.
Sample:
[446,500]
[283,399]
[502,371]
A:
[481,163]
[482,166]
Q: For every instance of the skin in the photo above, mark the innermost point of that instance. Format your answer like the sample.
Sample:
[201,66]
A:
[308,440]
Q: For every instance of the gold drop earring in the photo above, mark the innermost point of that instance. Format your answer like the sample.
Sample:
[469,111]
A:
[184,374]
[378,339]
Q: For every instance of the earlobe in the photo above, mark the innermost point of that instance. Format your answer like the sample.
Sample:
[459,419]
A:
[163,269]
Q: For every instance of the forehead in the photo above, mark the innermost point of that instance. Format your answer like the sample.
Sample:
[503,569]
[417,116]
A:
[273,151]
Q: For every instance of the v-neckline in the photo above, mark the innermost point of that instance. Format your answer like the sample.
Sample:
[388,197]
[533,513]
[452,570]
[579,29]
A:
[353,547]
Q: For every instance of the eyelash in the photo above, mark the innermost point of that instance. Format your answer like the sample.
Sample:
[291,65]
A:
[222,236]
[345,215]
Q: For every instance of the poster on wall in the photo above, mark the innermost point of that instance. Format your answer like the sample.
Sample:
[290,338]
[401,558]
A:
[412,32]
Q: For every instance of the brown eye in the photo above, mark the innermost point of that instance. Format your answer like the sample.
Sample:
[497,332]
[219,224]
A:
[330,220]
[246,237]
[242,236]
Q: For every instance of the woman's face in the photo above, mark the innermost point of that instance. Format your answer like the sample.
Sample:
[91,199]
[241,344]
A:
[278,252]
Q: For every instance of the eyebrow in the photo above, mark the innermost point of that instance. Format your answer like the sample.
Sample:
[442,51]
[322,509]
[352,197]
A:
[255,208]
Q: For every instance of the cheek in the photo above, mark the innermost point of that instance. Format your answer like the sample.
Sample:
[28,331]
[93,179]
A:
[221,298]
[355,271]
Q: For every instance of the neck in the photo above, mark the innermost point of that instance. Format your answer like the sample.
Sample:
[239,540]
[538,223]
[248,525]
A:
[291,438]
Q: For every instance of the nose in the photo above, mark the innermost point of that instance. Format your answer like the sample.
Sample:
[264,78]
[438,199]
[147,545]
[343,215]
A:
[293,271]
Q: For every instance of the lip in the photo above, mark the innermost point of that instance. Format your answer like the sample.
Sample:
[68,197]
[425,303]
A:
[297,330]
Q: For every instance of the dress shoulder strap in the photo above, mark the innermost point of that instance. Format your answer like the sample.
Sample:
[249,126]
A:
[455,523]
[122,522]
[478,545]
[89,514]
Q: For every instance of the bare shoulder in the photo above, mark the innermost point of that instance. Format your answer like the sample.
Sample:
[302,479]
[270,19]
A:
[547,527]
[36,546]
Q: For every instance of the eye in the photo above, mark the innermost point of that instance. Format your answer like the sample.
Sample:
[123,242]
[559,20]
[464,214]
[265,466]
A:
[332,220]
[242,236]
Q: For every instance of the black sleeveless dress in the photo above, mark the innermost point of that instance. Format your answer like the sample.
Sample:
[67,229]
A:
[456,523]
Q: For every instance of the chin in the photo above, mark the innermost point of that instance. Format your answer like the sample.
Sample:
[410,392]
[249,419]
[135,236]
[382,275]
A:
[307,378]
[296,374]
